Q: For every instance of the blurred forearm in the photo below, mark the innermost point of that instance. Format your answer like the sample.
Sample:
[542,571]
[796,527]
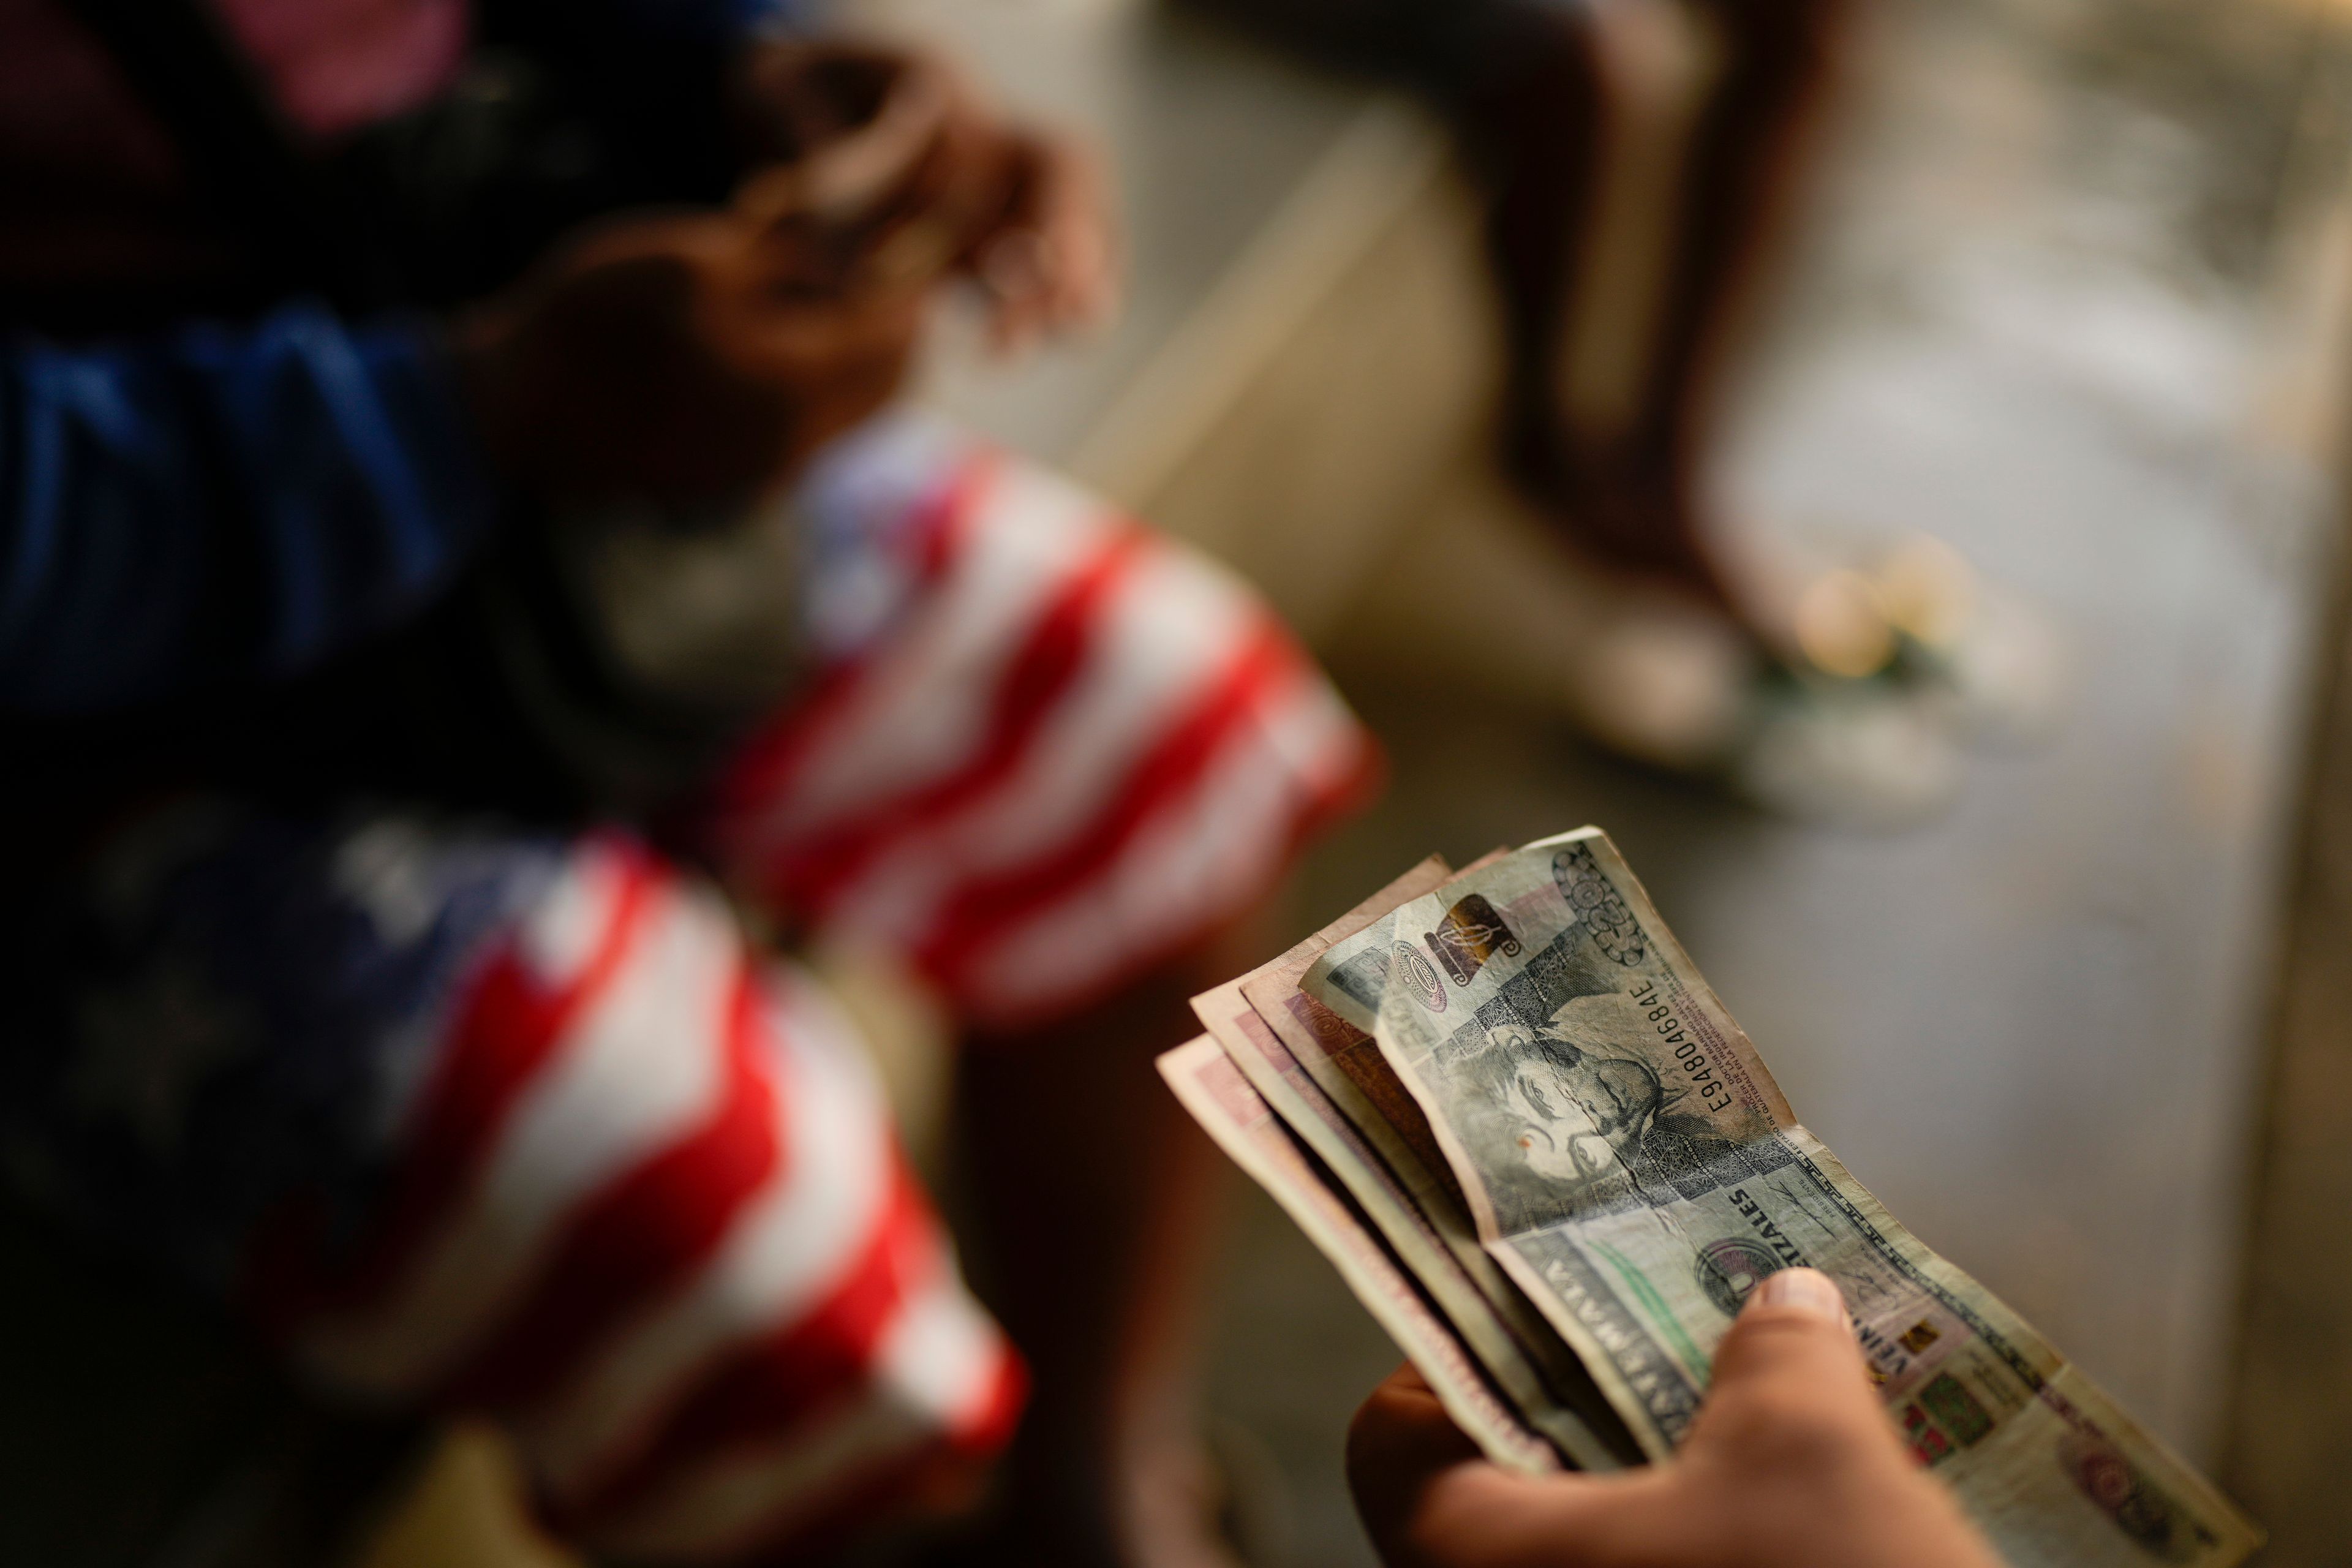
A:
[220,502]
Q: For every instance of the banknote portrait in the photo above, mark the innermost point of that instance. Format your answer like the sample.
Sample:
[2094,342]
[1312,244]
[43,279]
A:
[1570,1119]
[1567,1117]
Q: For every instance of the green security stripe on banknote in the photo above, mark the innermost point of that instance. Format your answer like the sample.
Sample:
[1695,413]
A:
[1212,1089]
[1629,1161]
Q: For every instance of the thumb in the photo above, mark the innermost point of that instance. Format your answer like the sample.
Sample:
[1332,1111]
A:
[1790,1379]
[1794,1427]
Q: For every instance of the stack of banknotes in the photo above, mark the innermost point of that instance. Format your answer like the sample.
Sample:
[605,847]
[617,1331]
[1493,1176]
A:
[1505,1106]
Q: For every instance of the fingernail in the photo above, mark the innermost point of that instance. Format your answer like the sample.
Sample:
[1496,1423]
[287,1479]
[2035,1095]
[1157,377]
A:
[1807,1289]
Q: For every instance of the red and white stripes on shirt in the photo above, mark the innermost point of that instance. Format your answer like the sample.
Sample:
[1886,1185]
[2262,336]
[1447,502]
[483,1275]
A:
[1075,749]
[650,1212]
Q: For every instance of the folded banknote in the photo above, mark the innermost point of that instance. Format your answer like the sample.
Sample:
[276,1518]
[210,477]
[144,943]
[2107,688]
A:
[1509,1089]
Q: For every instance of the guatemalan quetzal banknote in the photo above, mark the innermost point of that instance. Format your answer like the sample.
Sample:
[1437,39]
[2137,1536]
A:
[1428,1232]
[1222,1101]
[1631,1164]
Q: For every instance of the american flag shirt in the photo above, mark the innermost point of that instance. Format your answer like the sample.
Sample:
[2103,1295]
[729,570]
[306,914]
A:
[470,1119]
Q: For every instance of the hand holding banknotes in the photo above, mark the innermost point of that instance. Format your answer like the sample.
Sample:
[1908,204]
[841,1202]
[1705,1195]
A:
[1791,1462]
[1506,1105]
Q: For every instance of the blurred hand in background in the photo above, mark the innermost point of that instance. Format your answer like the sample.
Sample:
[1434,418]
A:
[695,358]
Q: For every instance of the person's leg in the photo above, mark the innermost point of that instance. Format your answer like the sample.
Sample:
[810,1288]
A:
[1096,1199]
[1539,111]
[1635,157]
[1541,117]
[1626,265]
[1745,160]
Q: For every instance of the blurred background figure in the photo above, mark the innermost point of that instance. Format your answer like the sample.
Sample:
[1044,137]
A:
[1636,159]
[454,517]
[1639,163]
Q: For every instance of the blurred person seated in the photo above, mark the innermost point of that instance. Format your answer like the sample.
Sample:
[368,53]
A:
[1791,1464]
[368,365]
[1636,159]
[1639,163]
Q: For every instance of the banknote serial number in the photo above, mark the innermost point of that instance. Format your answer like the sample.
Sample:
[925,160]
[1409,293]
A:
[1692,1058]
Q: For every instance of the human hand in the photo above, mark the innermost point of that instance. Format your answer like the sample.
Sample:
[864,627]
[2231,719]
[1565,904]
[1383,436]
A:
[875,163]
[1048,263]
[1790,1464]
[673,359]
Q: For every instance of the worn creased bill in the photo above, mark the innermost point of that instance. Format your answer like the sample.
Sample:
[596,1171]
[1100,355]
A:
[1521,1354]
[1627,1159]
[1222,1102]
